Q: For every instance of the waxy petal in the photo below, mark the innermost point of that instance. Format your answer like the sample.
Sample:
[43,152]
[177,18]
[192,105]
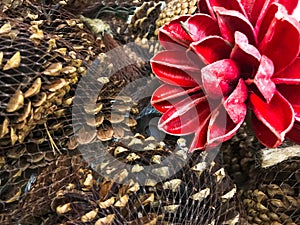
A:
[173,36]
[173,67]
[257,8]
[219,78]
[231,21]
[281,42]
[263,6]
[291,75]
[211,49]
[271,121]
[245,54]
[167,95]
[200,26]
[292,94]
[221,128]
[293,134]
[263,80]
[207,6]
[200,140]
[235,104]
[186,116]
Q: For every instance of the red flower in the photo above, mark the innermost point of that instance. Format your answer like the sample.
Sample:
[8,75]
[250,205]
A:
[231,58]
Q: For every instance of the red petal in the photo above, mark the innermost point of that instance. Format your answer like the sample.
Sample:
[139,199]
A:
[173,36]
[208,6]
[235,103]
[186,116]
[231,21]
[253,9]
[200,26]
[167,95]
[211,49]
[219,78]
[292,94]
[281,42]
[291,75]
[200,140]
[271,121]
[294,133]
[245,54]
[263,80]
[221,128]
[262,6]
[173,67]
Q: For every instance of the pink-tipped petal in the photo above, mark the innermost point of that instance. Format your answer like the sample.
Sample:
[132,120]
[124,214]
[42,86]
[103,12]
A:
[271,121]
[211,49]
[231,21]
[173,36]
[167,95]
[200,139]
[200,26]
[263,77]
[221,128]
[175,70]
[263,6]
[219,78]
[235,104]
[294,133]
[292,94]
[207,6]
[281,42]
[253,8]
[186,116]
[245,54]
[291,75]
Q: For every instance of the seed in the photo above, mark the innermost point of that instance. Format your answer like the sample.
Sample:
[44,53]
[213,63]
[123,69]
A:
[54,69]
[13,62]
[56,85]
